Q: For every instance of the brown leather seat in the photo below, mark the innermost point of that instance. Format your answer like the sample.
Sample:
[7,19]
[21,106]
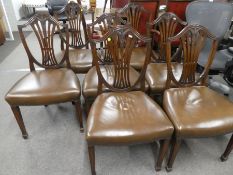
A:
[198,112]
[130,117]
[45,87]
[90,82]
[138,57]
[80,60]
[156,75]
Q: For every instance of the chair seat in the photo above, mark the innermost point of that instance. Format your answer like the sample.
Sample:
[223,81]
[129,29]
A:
[138,57]
[198,112]
[90,82]
[80,60]
[45,87]
[124,118]
[156,75]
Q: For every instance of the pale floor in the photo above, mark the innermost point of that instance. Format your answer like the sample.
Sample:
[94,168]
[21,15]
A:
[56,147]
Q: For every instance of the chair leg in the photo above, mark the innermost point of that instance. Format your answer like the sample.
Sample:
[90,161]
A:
[79,115]
[228,150]
[105,3]
[164,144]
[87,105]
[173,152]
[19,119]
[91,151]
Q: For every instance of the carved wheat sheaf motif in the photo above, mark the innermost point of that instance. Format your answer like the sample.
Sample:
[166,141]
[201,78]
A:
[120,46]
[192,40]
[44,27]
[44,30]
[192,43]
[166,25]
[120,41]
[74,15]
[133,13]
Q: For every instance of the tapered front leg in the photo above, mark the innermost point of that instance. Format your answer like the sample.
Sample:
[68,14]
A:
[79,114]
[174,150]
[91,151]
[19,119]
[228,150]
[164,144]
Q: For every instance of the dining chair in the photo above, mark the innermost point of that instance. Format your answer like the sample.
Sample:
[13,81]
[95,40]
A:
[51,85]
[216,17]
[79,53]
[195,110]
[124,115]
[160,30]
[90,83]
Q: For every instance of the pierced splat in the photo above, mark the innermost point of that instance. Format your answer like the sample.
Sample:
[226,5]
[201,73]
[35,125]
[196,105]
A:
[192,40]
[74,15]
[134,14]
[76,23]
[44,28]
[164,26]
[120,42]
[100,27]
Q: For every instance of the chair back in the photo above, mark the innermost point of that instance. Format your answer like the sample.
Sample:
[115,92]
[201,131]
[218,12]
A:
[215,16]
[163,27]
[76,25]
[136,15]
[44,27]
[120,42]
[98,28]
[192,40]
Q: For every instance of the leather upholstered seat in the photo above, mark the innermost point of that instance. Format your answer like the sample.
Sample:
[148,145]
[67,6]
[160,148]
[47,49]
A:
[45,87]
[80,60]
[138,57]
[131,117]
[198,112]
[156,75]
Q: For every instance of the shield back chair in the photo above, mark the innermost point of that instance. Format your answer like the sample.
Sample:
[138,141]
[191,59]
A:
[117,116]
[195,110]
[216,17]
[137,16]
[56,5]
[156,74]
[79,54]
[54,83]
[90,83]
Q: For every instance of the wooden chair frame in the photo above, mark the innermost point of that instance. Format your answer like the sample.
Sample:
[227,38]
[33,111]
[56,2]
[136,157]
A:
[121,64]
[45,35]
[192,39]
